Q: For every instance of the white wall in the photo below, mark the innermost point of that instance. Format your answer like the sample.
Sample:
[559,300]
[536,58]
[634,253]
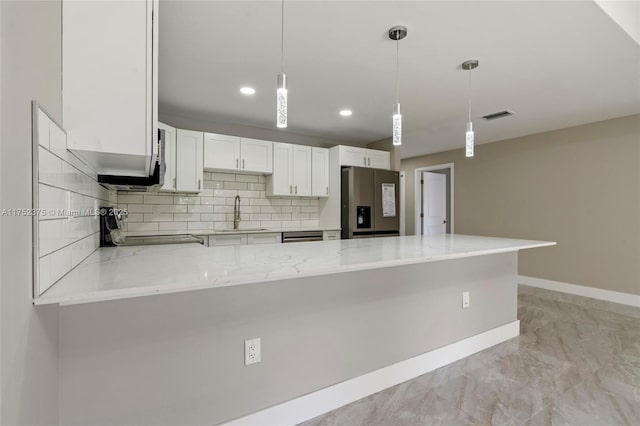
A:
[31,69]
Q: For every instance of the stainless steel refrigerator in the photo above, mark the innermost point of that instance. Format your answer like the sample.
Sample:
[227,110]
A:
[370,203]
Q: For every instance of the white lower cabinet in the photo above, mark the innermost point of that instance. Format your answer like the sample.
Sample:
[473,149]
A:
[291,171]
[227,240]
[189,164]
[267,238]
[331,235]
[240,239]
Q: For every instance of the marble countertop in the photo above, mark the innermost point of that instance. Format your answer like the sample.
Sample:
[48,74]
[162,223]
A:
[125,272]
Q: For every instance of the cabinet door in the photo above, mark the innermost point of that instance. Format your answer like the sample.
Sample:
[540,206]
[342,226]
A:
[109,83]
[268,238]
[256,156]
[281,181]
[319,172]
[228,240]
[301,170]
[189,173]
[378,159]
[221,152]
[169,158]
[352,156]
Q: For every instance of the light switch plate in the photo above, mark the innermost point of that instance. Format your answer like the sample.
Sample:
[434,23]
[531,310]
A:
[465,299]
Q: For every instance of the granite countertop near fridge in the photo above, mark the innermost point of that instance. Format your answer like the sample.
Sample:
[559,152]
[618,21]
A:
[126,272]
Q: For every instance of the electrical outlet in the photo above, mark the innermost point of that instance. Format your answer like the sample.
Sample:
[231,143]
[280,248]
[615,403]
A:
[252,353]
[465,299]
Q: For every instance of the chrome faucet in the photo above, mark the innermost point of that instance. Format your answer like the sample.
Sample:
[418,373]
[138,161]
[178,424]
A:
[236,212]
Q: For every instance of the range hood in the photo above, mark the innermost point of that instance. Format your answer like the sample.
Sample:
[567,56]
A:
[137,183]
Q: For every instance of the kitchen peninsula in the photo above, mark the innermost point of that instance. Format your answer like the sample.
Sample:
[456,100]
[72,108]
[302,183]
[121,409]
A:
[338,320]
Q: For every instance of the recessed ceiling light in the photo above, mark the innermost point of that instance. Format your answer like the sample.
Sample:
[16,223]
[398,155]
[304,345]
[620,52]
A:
[346,112]
[247,90]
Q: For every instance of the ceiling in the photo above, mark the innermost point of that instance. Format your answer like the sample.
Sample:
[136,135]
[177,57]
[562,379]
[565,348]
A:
[555,64]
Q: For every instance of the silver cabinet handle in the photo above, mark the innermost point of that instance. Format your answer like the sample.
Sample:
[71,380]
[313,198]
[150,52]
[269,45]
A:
[296,189]
[369,161]
[237,163]
[243,164]
[290,189]
[327,190]
[175,183]
[365,160]
[199,183]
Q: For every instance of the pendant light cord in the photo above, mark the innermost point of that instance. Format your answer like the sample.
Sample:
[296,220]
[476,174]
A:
[397,70]
[282,38]
[469,94]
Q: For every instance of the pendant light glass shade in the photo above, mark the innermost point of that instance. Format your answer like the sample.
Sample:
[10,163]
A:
[281,101]
[397,124]
[470,141]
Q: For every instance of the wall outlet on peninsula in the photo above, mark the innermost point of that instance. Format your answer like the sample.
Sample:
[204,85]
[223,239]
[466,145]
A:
[252,354]
[465,299]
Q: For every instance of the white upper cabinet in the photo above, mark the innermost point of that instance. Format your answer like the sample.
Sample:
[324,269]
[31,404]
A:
[109,72]
[221,152]
[362,157]
[378,159]
[302,170]
[319,172]
[169,158]
[189,151]
[291,171]
[232,153]
[256,155]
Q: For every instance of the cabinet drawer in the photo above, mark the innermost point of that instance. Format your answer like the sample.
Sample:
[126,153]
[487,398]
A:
[270,238]
[228,240]
[331,235]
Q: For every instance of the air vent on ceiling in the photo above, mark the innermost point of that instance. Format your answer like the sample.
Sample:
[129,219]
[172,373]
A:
[499,114]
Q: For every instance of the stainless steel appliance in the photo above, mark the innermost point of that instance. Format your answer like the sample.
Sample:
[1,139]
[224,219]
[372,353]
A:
[370,202]
[137,183]
[301,236]
[111,221]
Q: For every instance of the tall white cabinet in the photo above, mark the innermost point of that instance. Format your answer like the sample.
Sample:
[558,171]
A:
[319,172]
[109,73]
[189,161]
[169,157]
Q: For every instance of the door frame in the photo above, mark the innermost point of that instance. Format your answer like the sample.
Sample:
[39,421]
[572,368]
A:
[418,194]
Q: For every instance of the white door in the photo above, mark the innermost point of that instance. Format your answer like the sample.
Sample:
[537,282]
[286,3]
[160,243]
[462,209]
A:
[189,172]
[256,156]
[281,181]
[169,157]
[434,203]
[221,152]
[301,170]
[378,159]
[320,172]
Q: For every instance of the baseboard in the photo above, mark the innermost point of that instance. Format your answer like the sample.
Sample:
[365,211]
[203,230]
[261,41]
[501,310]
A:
[324,400]
[580,290]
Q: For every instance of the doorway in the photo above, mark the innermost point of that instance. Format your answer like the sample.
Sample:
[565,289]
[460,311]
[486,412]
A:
[434,200]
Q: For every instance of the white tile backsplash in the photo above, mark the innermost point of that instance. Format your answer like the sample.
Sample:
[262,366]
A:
[69,196]
[213,207]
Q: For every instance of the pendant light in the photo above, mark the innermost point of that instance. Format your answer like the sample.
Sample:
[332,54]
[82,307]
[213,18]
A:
[281,92]
[397,33]
[469,65]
